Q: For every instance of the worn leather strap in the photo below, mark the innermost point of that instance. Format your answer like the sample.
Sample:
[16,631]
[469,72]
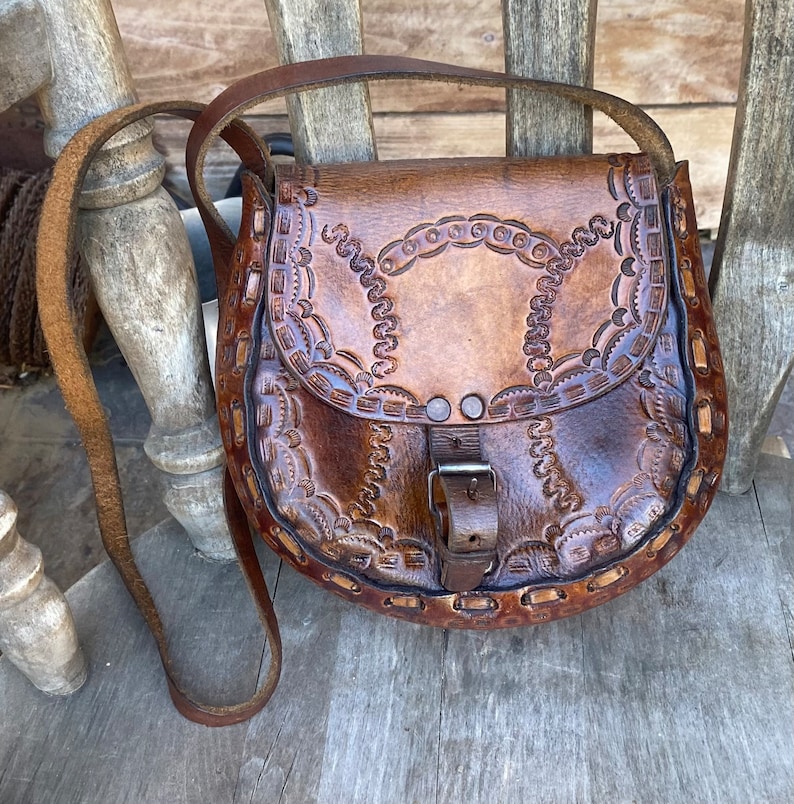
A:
[55,245]
[57,239]
[467,517]
[304,76]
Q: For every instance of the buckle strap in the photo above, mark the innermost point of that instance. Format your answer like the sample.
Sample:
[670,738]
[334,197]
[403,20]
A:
[461,490]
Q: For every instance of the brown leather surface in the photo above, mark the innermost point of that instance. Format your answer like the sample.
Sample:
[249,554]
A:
[397,291]
[592,497]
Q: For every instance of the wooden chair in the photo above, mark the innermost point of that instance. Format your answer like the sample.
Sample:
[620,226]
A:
[752,280]
[128,221]
[679,691]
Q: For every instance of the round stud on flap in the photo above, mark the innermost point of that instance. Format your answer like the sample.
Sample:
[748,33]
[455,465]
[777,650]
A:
[472,406]
[438,409]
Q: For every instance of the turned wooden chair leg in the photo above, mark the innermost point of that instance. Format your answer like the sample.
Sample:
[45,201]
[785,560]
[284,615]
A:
[140,264]
[37,631]
[752,278]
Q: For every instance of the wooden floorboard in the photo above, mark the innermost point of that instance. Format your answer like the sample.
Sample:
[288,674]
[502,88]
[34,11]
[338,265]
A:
[774,490]
[118,739]
[689,683]
[514,716]
[357,704]
[680,691]
[284,745]
[383,728]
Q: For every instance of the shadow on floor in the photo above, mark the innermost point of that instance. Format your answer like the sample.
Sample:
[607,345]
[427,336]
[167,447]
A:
[44,469]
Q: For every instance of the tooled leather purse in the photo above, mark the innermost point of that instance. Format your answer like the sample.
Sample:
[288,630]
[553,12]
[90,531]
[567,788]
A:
[470,393]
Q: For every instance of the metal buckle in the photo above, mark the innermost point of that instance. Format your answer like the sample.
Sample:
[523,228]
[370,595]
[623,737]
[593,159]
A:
[442,469]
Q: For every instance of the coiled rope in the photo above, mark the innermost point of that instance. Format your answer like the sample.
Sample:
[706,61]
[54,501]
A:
[21,341]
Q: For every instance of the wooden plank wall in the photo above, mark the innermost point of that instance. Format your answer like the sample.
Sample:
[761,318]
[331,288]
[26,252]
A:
[679,59]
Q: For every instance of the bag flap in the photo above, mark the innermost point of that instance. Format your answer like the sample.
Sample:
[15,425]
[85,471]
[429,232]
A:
[481,289]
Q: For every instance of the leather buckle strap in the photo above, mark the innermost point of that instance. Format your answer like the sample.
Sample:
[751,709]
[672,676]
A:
[462,499]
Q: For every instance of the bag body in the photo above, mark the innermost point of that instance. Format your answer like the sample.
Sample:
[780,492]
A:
[472,393]
[468,393]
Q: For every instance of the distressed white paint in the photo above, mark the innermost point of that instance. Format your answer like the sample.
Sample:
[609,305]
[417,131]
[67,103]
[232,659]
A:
[24,55]
[37,631]
[140,264]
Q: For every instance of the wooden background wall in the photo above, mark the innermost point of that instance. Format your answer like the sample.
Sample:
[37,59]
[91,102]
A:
[679,59]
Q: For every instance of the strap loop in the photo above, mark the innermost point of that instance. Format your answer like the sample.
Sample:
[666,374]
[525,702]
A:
[54,247]
[461,492]
[304,76]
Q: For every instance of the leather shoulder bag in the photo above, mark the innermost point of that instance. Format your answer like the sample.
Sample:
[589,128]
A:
[470,393]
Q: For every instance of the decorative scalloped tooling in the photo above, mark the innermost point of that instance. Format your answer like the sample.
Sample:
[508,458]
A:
[310,337]
[332,493]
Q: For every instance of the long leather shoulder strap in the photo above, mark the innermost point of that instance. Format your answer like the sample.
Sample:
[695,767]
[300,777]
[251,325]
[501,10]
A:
[55,244]
[304,76]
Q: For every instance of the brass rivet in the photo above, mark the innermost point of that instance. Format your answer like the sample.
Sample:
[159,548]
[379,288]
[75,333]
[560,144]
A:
[472,406]
[438,409]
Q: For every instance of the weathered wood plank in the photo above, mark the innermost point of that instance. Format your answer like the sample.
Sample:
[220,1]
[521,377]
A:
[700,135]
[119,739]
[513,722]
[666,52]
[774,489]
[355,717]
[383,730]
[284,745]
[690,679]
[333,124]
[680,691]
[752,278]
[669,52]
[542,125]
